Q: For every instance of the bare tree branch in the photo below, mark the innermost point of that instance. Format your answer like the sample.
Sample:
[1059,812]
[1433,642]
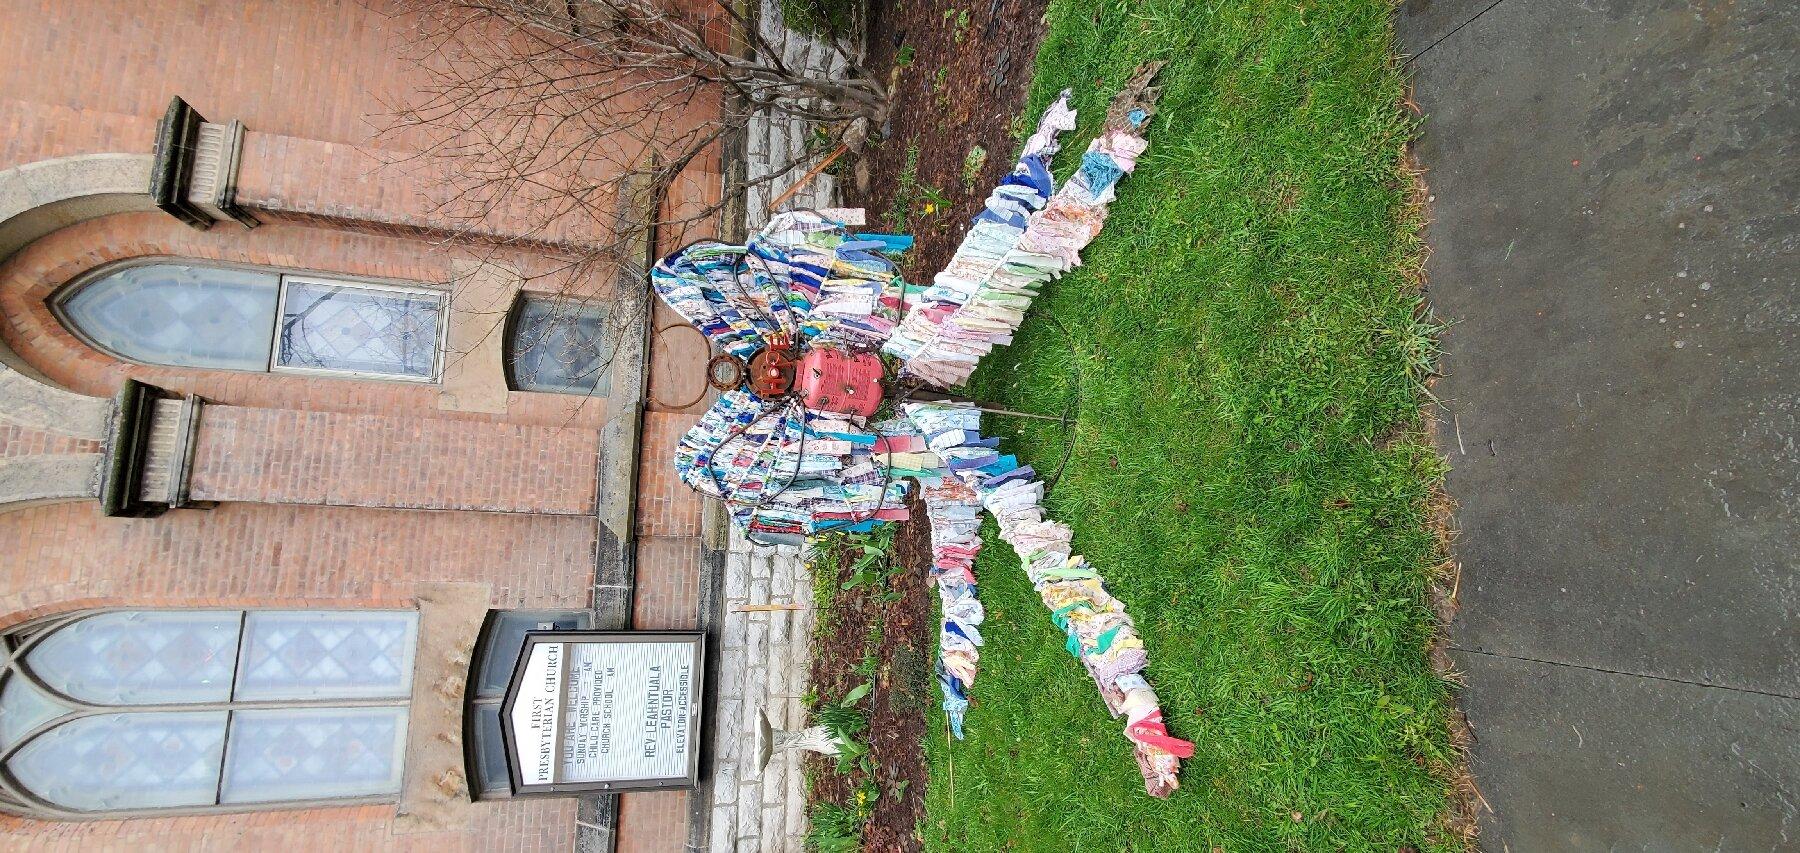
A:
[536,116]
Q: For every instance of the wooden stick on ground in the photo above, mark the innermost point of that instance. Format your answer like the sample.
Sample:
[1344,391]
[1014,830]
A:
[808,177]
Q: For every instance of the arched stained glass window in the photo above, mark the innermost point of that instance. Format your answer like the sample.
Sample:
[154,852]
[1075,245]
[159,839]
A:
[179,315]
[559,346]
[145,657]
[106,762]
[139,712]
[183,314]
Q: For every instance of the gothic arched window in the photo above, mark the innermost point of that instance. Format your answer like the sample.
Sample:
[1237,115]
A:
[120,713]
[185,314]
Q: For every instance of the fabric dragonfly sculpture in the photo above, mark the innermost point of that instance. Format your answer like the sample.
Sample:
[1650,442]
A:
[795,451]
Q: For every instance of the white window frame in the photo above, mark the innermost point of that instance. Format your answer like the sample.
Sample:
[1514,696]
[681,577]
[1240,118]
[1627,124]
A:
[438,346]
[282,275]
[16,799]
[509,352]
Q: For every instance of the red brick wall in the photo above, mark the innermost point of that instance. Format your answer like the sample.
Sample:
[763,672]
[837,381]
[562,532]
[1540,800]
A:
[678,356]
[310,79]
[668,571]
[667,583]
[665,505]
[287,456]
[668,577]
[312,68]
[520,826]
[32,276]
[536,461]
[66,556]
[248,554]
[653,822]
[316,82]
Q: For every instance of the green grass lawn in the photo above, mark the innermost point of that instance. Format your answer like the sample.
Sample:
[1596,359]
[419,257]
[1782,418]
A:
[1249,470]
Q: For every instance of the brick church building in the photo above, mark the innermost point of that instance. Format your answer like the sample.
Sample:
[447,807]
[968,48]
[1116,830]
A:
[280,487]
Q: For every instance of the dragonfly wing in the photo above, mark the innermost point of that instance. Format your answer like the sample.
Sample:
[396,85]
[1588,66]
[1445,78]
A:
[1026,236]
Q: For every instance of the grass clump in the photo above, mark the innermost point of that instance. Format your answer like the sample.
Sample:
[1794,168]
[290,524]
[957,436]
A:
[845,723]
[911,197]
[823,18]
[834,829]
[1249,470]
[973,162]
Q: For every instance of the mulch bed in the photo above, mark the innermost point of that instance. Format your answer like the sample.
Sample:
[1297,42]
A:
[963,87]
[904,689]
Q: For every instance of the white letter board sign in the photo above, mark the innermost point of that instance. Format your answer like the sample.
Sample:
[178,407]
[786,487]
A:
[604,711]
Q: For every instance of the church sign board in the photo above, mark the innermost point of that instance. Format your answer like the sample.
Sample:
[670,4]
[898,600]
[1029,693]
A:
[604,711]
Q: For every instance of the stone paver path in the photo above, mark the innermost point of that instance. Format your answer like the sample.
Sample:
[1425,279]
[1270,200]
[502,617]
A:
[765,656]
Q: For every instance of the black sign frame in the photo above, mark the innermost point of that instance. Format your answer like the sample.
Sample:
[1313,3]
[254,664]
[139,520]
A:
[533,639]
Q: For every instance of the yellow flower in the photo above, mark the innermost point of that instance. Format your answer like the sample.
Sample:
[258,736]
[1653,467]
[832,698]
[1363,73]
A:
[930,208]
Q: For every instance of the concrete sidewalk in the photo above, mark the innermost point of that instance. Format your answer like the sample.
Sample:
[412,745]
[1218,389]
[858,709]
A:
[1615,233]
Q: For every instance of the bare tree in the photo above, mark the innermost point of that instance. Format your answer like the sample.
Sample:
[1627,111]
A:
[560,126]
[541,110]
